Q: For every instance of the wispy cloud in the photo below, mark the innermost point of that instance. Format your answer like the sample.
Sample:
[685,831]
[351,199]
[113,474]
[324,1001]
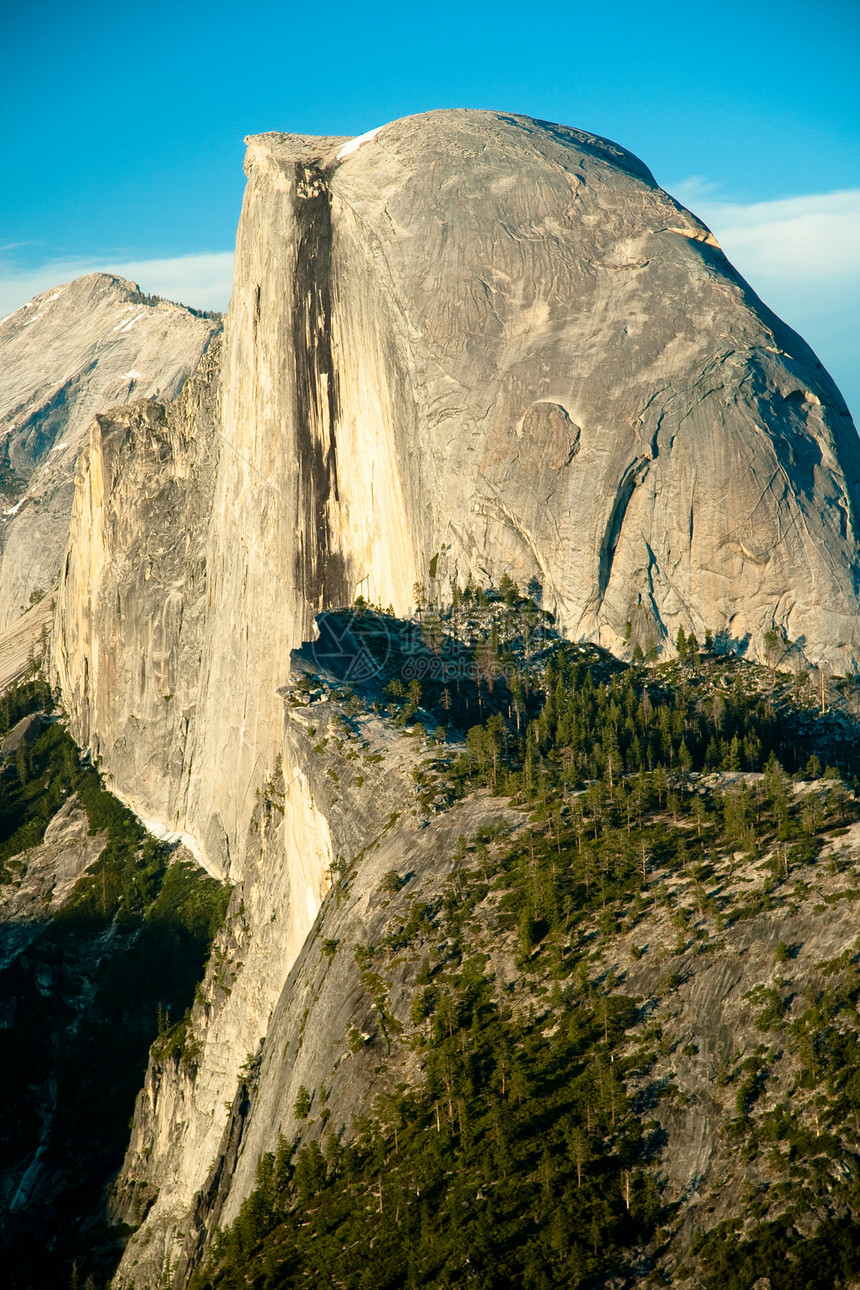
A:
[811,237]
[202,281]
[802,256]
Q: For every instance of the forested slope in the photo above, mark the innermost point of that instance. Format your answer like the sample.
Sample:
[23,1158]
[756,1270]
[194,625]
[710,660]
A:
[609,1038]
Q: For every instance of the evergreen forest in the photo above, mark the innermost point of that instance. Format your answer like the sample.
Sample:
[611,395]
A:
[530,1150]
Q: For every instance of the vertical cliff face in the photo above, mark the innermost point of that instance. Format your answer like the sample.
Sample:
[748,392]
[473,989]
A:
[129,628]
[69,353]
[308,503]
[489,340]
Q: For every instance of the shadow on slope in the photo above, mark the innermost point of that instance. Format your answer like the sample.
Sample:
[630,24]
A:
[94,966]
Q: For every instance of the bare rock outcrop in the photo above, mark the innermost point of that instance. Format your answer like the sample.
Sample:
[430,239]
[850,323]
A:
[42,878]
[66,355]
[131,612]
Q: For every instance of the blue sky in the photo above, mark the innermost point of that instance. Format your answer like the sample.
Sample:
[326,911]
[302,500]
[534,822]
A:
[121,126]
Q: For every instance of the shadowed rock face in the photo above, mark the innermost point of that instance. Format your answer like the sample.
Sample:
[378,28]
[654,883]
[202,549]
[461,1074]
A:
[69,353]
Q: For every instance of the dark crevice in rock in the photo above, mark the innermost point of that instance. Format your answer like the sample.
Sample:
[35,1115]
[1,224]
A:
[633,475]
[209,1201]
[652,566]
[320,571]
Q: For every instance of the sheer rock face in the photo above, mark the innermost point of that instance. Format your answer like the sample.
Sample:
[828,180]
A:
[68,354]
[499,339]
[131,606]
[476,337]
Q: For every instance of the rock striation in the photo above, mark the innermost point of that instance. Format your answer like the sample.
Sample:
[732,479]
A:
[66,355]
[470,343]
[24,643]
[508,345]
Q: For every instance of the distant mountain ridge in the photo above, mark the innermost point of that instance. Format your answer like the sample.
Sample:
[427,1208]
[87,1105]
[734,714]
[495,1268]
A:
[67,354]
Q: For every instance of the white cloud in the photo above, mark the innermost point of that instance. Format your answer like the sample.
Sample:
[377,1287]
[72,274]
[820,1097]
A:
[802,256]
[694,188]
[811,237]
[202,281]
